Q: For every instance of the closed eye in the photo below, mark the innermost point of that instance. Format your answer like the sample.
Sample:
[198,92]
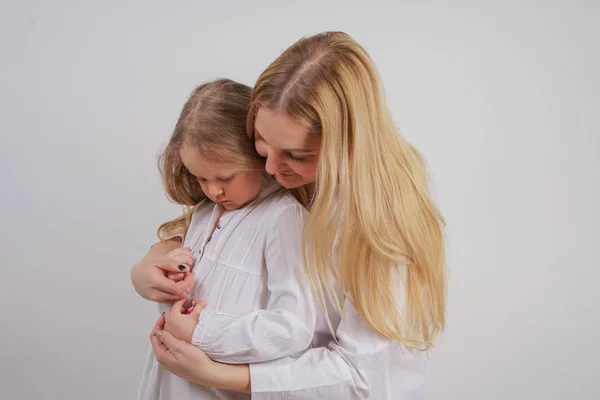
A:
[298,159]
[226,179]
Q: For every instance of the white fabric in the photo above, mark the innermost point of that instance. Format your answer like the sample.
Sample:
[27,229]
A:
[259,305]
[362,365]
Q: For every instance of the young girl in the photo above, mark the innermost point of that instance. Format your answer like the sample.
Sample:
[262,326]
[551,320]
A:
[244,234]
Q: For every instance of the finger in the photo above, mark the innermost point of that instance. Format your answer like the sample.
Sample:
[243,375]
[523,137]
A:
[185,285]
[169,264]
[161,351]
[170,342]
[178,307]
[188,305]
[176,276]
[159,325]
[166,286]
[185,259]
[180,251]
[167,299]
[198,309]
[167,321]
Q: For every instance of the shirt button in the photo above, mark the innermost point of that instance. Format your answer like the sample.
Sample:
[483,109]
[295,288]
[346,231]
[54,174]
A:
[219,226]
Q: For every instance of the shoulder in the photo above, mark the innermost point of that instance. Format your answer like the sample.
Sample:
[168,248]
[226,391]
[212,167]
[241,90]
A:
[282,204]
[202,211]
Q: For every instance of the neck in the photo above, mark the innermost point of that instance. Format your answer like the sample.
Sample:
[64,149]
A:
[310,190]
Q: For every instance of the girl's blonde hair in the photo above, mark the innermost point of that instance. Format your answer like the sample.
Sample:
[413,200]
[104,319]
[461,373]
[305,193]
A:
[371,189]
[213,121]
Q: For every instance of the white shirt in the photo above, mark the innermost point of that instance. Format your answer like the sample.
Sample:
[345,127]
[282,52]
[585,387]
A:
[259,305]
[364,365]
[361,365]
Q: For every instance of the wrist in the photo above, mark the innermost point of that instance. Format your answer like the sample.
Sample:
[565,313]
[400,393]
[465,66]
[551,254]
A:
[235,377]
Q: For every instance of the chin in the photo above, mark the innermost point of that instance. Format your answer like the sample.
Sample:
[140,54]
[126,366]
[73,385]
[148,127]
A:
[290,182]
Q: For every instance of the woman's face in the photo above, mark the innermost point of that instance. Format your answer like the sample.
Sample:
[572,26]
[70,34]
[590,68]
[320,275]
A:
[291,151]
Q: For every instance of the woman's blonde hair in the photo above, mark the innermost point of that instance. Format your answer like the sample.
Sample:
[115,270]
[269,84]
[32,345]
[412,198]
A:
[371,189]
[213,121]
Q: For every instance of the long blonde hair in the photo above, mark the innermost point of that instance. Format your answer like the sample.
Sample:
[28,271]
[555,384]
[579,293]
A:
[371,188]
[213,118]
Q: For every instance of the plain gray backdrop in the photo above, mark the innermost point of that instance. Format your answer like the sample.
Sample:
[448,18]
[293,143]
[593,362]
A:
[502,97]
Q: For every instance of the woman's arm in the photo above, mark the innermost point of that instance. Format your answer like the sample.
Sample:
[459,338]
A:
[148,276]
[287,324]
[364,365]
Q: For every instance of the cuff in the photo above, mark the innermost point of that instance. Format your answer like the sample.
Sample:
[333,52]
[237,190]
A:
[270,377]
[209,324]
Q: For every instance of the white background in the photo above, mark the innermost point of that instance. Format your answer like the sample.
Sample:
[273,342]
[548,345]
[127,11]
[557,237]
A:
[502,98]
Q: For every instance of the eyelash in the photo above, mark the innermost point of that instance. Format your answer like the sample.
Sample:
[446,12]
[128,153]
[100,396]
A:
[202,180]
[258,138]
[295,158]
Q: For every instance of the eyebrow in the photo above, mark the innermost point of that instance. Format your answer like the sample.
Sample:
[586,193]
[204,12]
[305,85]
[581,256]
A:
[219,176]
[286,150]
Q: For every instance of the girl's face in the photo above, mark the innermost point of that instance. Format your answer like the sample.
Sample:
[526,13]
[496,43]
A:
[221,183]
[291,151]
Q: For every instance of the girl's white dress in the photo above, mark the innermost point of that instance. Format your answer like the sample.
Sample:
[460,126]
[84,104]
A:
[259,305]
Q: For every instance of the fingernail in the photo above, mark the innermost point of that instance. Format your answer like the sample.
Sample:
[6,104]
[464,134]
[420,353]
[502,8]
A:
[158,333]
[181,267]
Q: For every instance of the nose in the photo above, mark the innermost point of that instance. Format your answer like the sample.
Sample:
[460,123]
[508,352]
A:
[214,190]
[272,164]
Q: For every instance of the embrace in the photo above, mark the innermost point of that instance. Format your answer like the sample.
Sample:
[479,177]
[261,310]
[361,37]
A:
[309,263]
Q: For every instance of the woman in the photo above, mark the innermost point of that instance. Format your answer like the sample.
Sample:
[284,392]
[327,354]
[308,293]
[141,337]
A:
[373,243]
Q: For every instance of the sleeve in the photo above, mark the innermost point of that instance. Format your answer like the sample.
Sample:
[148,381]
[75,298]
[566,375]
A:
[362,365]
[287,324]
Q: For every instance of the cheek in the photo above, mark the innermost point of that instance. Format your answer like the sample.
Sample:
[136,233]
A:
[248,185]
[307,170]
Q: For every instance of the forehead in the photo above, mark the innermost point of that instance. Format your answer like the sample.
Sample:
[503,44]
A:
[200,166]
[283,132]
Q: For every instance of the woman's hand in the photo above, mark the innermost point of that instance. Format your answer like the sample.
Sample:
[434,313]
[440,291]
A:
[181,358]
[149,276]
[181,324]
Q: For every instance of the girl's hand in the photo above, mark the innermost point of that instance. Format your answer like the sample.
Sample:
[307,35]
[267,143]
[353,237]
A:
[191,363]
[181,358]
[149,276]
[179,323]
